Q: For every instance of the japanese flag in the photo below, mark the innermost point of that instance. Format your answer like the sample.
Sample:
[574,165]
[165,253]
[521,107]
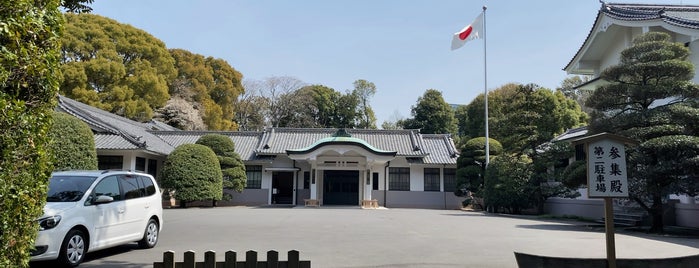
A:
[468,33]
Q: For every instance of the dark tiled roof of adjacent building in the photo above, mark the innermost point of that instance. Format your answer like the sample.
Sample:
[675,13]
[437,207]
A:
[686,16]
[113,132]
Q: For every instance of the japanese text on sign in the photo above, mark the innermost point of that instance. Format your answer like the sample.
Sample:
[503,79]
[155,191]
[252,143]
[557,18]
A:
[607,169]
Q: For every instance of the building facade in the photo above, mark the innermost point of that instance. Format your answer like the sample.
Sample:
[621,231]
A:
[615,27]
[296,166]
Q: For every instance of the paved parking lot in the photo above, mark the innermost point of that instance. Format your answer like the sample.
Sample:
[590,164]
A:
[352,237]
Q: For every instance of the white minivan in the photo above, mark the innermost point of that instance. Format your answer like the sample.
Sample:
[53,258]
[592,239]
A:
[93,210]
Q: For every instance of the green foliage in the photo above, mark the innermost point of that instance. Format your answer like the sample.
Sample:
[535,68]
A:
[365,90]
[575,175]
[507,184]
[232,166]
[522,117]
[471,163]
[212,83]
[192,171]
[650,98]
[29,73]
[432,115]
[115,66]
[77,6]
[72,143]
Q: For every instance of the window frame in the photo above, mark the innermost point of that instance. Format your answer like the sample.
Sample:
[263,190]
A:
[253,174]
[449,179]
[431,179]
[399,179]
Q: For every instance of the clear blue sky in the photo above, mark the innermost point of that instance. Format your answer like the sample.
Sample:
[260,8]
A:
[402,46]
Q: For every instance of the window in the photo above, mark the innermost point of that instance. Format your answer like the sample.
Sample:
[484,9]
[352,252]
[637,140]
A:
[449,179]
[254,174]
[153,167]
[580,152]
[306,180]
[432,179]
[110,162]
[131,186]
[140,164]
[375,181]
[148,185]
[399,179]
[109,186]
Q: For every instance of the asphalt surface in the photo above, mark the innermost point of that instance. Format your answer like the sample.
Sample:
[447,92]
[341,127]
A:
[353,237]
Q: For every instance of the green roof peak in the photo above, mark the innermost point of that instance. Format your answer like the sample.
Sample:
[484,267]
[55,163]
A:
[342,133]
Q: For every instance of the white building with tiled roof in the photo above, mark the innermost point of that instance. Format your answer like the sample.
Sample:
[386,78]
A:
[614,28]
[295,166]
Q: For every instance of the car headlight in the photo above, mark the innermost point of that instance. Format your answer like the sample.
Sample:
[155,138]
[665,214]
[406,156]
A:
[49,222]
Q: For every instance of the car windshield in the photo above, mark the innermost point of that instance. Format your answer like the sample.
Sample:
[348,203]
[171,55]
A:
[68,188]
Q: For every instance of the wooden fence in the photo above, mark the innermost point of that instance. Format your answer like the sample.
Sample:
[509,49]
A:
[231,260]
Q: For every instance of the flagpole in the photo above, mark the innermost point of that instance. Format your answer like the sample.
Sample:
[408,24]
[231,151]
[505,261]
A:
[485,90]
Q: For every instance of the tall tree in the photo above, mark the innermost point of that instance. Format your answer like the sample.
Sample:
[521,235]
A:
[272,89]
[346,115]
[250,107]
[522,117]
[431,114]
[210,84]
[650,98]
[115,66]
[364,91]
[569,88]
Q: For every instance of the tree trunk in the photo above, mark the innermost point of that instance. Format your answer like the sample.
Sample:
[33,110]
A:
[656,211]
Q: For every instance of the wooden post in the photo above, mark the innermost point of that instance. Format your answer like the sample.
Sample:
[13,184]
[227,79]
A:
[210,259]
[231,259]
[189,261]
[251,259]
[609,232]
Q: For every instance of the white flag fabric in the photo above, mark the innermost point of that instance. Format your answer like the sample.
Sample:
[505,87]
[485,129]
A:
[468,33]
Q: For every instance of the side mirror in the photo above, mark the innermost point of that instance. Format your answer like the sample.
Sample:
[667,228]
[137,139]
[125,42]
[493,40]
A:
[103,199]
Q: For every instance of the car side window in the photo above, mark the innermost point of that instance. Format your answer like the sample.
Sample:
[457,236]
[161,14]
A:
[108,186]
[131,185]
[148,186]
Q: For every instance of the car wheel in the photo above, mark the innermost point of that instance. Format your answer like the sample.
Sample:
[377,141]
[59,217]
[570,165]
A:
[73,249]
[150,236]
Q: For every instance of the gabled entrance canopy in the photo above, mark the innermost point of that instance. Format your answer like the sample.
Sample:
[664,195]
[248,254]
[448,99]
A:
[341,144]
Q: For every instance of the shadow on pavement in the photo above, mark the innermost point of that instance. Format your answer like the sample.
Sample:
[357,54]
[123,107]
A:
[97,255]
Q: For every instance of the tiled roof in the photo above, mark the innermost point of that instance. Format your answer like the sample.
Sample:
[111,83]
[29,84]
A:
[686,16]
[245,141]
[278,140]
[441,149]
[113,131]
[571,133]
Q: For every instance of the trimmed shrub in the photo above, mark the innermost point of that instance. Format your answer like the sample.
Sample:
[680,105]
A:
[72,143]
[193,173]
[29,71]
[232,165]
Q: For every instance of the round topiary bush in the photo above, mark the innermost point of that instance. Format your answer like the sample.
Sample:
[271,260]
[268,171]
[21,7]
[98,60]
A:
[72,143]
[193,173]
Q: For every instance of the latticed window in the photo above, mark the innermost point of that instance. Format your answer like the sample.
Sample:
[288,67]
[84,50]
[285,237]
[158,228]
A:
[432,179]
[254,174]
[399,179]
[449,179]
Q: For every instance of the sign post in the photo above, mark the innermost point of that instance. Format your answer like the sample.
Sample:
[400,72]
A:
[606,178]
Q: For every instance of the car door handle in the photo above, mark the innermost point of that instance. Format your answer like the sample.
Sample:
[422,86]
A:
[121,211]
